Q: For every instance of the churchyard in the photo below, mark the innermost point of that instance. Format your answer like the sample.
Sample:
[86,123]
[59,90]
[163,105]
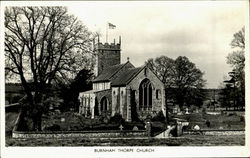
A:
[75,91]
[70,121]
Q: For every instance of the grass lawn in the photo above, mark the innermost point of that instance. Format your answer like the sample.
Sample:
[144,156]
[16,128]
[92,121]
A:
[188,140]
[234,122]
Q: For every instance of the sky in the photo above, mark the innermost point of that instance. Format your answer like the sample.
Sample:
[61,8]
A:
[201,31]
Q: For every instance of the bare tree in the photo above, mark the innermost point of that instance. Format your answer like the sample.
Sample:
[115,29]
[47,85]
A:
[44,44]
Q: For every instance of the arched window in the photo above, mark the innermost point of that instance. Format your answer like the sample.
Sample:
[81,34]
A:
[104,104]
[145,94]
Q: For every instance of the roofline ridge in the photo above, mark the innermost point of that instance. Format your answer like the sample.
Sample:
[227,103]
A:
[142,67]
[119,69]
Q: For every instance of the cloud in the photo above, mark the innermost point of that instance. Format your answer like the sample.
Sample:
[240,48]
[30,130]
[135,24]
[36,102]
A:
[202,31]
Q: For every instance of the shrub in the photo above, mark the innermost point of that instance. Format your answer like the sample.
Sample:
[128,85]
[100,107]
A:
[117,118]
[159,117]
[242,118]
[173,132]
[54,127]
[208,123]
[203,110]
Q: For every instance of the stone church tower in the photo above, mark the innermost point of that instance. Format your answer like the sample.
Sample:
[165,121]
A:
[133,92]
[107,55]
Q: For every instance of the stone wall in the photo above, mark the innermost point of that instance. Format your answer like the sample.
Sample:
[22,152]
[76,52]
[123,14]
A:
[158,104]
[119,101]
[107,94]
[216,132]
[82,134]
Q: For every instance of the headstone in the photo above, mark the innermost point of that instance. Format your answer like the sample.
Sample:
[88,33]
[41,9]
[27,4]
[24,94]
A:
[51,107]
[121,127]
[57,111]
[135,128]
[62,119]
[105,120]
[197,128]
[187,112]
[180,113]
[197,111]
[148,128]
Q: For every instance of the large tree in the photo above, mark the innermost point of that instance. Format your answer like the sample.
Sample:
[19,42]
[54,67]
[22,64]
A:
[188,81]
[237,61]
[43,45]
[181,77]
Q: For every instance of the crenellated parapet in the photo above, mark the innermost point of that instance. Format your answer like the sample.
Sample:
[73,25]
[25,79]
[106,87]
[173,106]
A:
[107,54]
[107,46]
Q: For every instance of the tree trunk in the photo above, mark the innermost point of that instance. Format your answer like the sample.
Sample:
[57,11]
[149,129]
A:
[166,103]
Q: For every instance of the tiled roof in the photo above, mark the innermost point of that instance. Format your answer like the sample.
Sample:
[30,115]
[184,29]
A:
[109,72]
[92,91]
[124,78]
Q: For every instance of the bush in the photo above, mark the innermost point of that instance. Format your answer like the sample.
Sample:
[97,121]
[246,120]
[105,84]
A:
[159,117]
[117,118]
[208,123]
[54,127]
[203,110]
[242,118]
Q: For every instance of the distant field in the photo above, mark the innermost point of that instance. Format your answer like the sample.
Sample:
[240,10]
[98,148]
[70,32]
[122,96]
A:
[188,140]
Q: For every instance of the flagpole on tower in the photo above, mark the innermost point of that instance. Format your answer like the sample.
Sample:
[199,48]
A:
[109,26]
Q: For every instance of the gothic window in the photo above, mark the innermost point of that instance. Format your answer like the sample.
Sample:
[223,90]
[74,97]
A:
[104,104]
[145,94]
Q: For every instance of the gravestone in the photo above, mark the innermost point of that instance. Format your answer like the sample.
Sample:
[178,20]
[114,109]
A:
[135,128]
[121,127]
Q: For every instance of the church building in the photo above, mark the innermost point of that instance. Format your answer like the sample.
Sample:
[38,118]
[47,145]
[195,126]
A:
[121,87]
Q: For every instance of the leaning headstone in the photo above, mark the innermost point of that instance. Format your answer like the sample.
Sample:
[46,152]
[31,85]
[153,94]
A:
[180,113]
